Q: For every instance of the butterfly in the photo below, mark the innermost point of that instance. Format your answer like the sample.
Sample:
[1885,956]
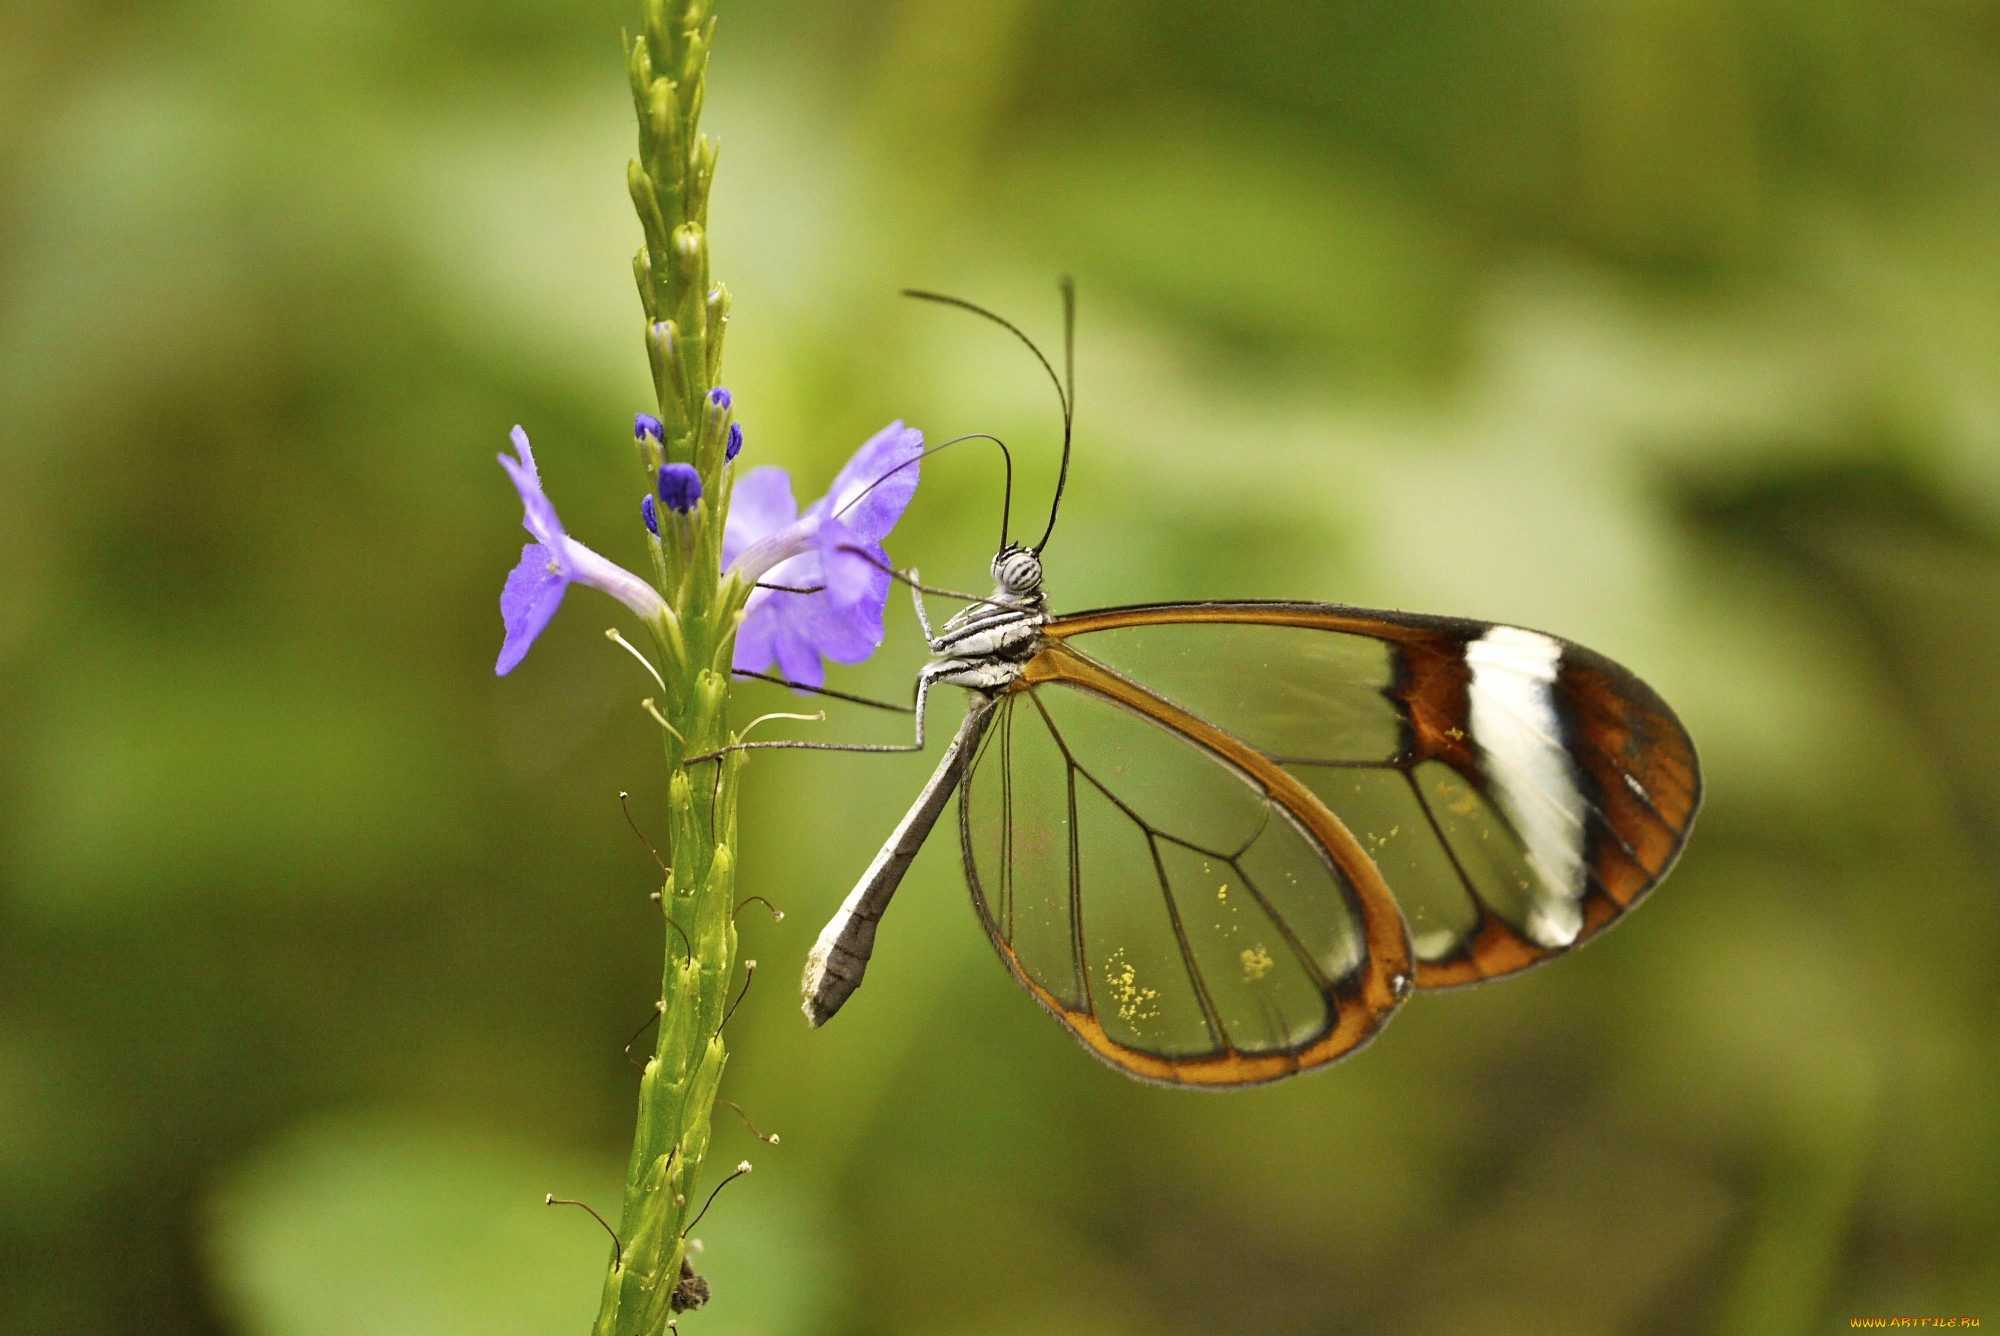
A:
[1222,842]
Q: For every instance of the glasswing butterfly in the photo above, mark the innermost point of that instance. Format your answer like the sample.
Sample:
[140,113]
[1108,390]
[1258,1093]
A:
[1222,842]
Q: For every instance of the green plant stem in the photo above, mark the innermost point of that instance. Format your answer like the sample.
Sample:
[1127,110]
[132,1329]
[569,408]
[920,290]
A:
[685,319]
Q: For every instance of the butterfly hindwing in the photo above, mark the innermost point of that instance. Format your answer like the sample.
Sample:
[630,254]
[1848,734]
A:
[1183,906]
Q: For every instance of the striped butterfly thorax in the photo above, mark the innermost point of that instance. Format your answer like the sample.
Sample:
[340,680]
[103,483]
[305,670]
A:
[1222,842]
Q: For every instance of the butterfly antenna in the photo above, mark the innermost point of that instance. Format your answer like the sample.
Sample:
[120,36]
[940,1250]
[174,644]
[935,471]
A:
[1006,458]
[1063,390]
[1068,286]
[1007,495]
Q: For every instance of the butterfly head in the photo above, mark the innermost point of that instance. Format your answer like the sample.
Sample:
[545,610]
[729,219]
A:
[1018,572]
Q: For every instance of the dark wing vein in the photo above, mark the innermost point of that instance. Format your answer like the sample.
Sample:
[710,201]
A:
[1007,826]
[1209,1014]
[1078,956]
[1263,824]
[1430,817]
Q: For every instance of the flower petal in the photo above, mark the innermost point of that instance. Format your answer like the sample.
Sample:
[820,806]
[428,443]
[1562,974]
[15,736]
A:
[533,592]
[538,513]
[765,556]
[798,656]
[852,565]
[798,630]
[875,488]
[754,646]
[760,504]
[601,573]
[851,633]
[778,632]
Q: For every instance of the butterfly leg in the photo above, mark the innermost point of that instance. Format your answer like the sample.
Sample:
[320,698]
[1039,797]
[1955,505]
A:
[942,670]
[923,615]
[828,692]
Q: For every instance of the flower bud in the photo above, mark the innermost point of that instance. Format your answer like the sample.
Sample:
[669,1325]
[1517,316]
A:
[645,424]
[680,488]
[735,446]
[664,351]
[651,514]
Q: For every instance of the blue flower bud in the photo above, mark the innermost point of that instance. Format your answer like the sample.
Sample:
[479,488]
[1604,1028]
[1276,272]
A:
[719,397]
[680,487]
[651,514]
[644,425]
[735,445]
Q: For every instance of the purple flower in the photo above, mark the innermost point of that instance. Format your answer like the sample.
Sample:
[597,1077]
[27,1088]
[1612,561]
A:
[645,424]
[835,546]
[719,397]
[552,563]
[680,487]
[651,514]
[735,443]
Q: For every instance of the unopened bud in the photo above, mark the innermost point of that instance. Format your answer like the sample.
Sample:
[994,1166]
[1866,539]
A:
[640,186]
[680,488]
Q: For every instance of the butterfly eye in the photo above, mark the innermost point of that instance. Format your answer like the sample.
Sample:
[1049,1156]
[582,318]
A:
[1017,570]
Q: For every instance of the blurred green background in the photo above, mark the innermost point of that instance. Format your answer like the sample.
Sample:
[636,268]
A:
[1669,325]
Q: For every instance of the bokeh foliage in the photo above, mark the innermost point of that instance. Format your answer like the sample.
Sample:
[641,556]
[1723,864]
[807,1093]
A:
[1669,325]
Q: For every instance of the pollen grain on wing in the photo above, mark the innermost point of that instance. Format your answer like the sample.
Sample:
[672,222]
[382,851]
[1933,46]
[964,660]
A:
[1257,963]
[1459,800]
[1226,912]
[1135,1002]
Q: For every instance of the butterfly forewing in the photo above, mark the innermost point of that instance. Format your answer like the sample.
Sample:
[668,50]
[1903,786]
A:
[1166,906]
[1516,792]
[1286,690]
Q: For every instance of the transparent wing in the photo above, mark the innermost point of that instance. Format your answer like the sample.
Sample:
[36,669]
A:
[1517,792]
[1168,897]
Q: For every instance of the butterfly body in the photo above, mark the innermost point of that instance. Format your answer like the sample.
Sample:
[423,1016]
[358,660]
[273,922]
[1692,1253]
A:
[983,649]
